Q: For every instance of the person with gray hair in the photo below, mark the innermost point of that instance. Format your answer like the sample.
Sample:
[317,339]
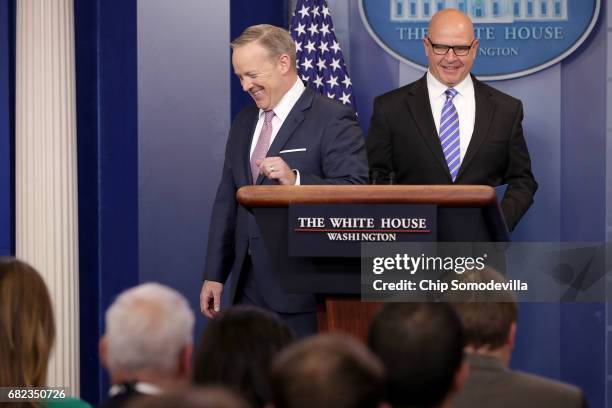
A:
[148,343]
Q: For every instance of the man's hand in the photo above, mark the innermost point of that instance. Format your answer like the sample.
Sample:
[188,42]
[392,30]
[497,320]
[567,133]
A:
[276,168]
[210,298]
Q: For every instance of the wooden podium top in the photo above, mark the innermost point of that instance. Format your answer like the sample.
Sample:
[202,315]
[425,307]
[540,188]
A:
[442,195]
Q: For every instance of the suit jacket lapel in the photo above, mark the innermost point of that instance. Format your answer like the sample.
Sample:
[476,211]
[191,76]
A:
[291,123]
[244,147]
[485,108]
[420,107]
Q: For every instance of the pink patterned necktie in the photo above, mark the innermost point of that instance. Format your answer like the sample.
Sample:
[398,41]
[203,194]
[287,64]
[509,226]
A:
[263,143]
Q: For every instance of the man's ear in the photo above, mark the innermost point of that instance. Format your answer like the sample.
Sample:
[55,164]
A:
[284,62]
[511,336]
[461,377]
[103,350]
[185,361]
[475,47]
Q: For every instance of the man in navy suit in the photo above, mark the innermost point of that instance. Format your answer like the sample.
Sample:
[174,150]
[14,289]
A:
[291,136]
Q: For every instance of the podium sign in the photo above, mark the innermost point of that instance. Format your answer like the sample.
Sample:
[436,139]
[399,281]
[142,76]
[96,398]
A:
[293,219]
[337,230]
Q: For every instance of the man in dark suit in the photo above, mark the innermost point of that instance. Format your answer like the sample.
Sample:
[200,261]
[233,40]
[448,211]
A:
[449,128]
[489,322]
[292,135]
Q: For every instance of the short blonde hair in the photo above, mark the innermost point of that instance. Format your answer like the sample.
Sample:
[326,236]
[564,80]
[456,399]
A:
[275,40]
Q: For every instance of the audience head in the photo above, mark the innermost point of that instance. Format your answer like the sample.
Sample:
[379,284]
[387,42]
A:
[328,371]
[27,329]
[237,349]
[203,397]
[421,346]
[488,317]
[148,336]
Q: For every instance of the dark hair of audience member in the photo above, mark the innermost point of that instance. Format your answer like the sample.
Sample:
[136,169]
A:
[421,346]
[237,349]
[27,328]
[327,371]
[486,315]
[197,397]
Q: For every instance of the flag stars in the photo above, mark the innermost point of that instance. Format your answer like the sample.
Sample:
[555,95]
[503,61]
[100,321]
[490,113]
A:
[325,29]
[321,64]
[313,29]
[319,56]
[323,47]
[310,46]
[304,11]
[345,98]
[347,82]
[335,46]
[307,64]
[333,81]
[325,11]
[300,29]
[335,64]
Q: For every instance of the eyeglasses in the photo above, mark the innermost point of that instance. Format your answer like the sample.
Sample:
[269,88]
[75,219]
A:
[459,50]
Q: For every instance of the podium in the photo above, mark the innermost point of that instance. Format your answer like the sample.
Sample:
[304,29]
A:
[464,214]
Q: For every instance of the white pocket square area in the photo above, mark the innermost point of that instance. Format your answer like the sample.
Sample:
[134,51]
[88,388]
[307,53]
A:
[303,149]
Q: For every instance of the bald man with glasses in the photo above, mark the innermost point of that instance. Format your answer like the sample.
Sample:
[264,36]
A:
[450,128]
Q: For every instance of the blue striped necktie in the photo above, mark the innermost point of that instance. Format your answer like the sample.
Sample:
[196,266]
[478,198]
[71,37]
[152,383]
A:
[449,133]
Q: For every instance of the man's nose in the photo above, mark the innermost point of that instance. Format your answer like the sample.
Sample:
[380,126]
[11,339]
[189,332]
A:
[246,84]
[450,55]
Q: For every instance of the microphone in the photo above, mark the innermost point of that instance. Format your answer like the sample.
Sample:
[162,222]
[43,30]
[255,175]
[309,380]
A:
[374,177]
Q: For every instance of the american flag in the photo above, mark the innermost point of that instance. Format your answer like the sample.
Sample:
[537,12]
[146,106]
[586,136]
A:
[319,57]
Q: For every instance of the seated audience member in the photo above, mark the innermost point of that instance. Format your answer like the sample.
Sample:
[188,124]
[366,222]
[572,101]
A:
[237,349]
[27,330]
[201,397]
[147,346]
[421,347]
[490,328]
[328,371]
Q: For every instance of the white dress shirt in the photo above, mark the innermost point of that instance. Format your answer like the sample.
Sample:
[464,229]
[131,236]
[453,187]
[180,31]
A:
[281,111]
[464,102]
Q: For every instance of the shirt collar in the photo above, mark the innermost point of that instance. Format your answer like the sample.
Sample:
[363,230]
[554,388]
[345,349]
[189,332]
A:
[436,88]
[141,387]
[289,99]
[486,362]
